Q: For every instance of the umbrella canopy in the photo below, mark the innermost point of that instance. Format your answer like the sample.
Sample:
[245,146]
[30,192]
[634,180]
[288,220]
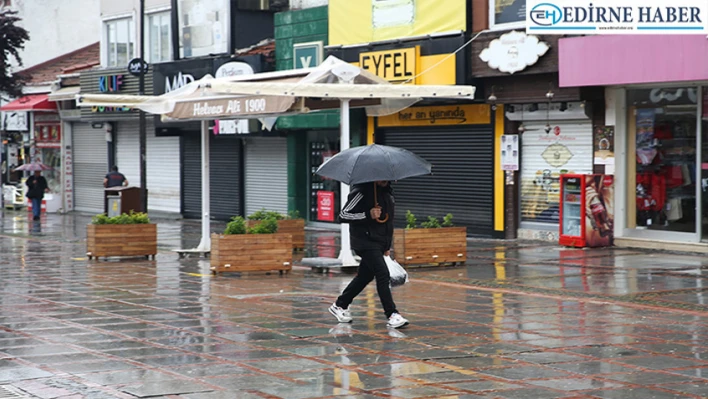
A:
[33,167]
[373,163]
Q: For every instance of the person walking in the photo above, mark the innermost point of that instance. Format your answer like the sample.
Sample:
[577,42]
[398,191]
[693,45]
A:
[114,179]
[36,187]
[369,211]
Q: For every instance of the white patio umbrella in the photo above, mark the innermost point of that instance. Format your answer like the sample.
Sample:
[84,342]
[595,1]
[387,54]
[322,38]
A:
[266,96]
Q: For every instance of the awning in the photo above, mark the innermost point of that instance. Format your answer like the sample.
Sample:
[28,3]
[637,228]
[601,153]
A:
[65,94]
[32,102]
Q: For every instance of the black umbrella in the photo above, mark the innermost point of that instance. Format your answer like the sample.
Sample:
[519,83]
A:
[373,163]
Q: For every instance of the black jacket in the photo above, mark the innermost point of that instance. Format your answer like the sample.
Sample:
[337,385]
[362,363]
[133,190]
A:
[36,187]
[366,233]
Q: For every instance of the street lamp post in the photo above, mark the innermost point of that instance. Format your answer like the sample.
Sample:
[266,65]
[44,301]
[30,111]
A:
[143,135]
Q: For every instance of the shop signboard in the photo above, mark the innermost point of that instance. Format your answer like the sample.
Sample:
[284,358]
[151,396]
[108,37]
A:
[396,66]
[367,21]
[15,121]
[513,52]
[325,206]
[307,55]
[471,114]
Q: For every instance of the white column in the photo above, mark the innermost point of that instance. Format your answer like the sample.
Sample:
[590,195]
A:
[346,254]
[205,244]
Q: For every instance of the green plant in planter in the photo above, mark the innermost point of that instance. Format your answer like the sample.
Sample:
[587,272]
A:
[411,221]
[263,215]
[125,218]
[431,223]
[267,226]
[294,215]
[237,225]
[447,220]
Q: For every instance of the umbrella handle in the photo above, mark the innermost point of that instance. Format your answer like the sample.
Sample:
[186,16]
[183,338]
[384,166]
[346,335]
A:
[384,220]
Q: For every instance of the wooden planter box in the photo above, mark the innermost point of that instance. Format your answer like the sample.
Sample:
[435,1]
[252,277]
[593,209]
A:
[430,247]
[251,252]
[106,240]
[294,227]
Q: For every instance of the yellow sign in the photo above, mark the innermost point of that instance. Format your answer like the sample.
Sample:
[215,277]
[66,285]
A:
[397,65]
[367,21]
[472,114]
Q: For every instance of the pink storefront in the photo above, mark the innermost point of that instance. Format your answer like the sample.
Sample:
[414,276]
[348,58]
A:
[656,123]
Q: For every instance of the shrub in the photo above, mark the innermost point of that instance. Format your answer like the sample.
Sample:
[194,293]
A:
[447,220]
[432,223]
[294,215]
[411,221]
[125,218]
[266,226]
[263,214]
[237,225]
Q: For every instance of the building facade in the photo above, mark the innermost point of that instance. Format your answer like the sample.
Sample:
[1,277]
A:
[657,114]
[518,75]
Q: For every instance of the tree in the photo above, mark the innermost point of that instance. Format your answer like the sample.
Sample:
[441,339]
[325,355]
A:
[12,41]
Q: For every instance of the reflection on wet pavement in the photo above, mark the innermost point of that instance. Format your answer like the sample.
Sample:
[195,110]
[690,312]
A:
[520,320]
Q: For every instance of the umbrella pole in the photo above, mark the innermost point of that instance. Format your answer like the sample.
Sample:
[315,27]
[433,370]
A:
[346,253]
[205,244]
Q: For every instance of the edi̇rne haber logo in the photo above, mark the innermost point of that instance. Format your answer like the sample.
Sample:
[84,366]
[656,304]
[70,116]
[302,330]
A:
[561,17]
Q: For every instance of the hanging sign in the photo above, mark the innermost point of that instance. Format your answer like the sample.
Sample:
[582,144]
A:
[134,67]
[438,116]
[513,52]
[325,206]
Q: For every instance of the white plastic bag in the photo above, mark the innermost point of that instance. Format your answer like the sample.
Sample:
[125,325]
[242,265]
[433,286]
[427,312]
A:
[399,276]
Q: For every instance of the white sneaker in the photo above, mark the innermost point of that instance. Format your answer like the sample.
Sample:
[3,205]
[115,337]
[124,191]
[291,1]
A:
[397,321]
[342,315]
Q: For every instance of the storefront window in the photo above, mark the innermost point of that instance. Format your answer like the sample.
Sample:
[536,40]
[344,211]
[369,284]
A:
[324,193]
[662,139]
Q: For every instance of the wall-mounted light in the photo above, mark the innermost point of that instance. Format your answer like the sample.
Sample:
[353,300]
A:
[492,99]
[97,125]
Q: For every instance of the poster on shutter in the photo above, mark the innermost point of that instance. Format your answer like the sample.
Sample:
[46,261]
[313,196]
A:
[510,152]
[599,210]
[325,206]
[604,138]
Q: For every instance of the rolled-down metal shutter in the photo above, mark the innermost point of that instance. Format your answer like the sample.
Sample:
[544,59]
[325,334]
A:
[225,164]
[266,173]
[567,148]
[191,175]
[163,169]
[462,182]
[90,167]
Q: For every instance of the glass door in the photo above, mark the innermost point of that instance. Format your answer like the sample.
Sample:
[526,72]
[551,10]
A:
[662,172]
[572,206]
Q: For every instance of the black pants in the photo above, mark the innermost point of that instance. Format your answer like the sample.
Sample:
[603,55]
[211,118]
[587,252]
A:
[372,266]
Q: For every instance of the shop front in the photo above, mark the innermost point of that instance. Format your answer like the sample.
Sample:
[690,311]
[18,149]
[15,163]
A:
[248,167]
[658,115]
[550,128]
[33,134]
[108,136]
[459,141]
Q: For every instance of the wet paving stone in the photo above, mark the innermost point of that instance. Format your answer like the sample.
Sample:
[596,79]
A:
[151,389]
[22,373]
[148,325]
[636,393]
